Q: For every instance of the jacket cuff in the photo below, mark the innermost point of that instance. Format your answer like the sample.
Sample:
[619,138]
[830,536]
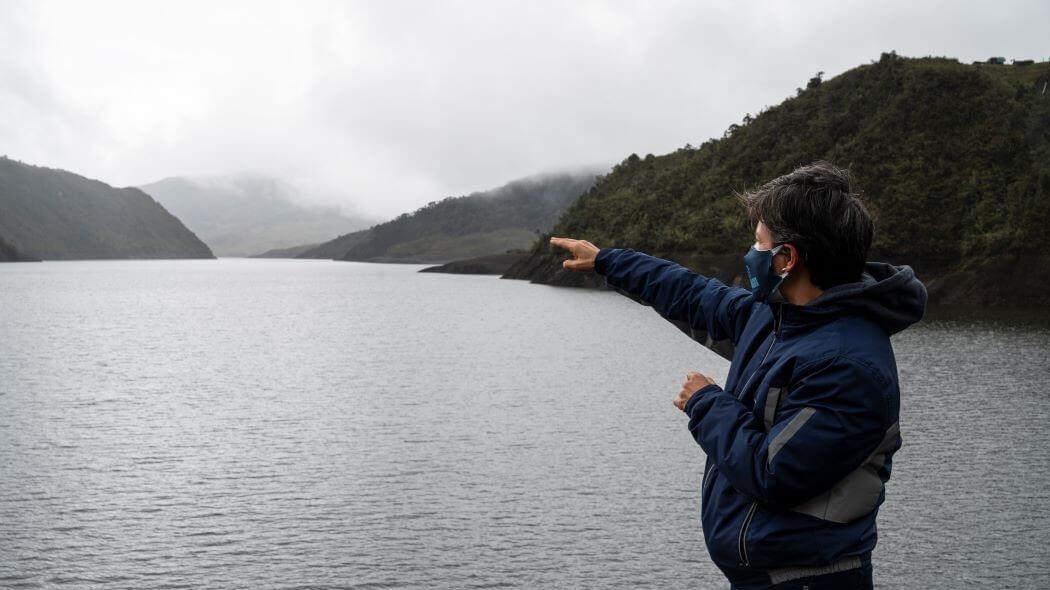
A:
[602,259]
[698,395]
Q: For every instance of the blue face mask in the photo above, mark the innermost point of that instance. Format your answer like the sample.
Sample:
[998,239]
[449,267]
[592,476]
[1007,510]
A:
[759,265]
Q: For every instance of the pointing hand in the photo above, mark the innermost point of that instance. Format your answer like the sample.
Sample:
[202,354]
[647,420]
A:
[583,253]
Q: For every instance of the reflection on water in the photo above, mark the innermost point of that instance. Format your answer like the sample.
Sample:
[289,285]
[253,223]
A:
[245,423]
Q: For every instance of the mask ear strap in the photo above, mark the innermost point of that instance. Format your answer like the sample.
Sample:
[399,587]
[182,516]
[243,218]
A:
[776,250]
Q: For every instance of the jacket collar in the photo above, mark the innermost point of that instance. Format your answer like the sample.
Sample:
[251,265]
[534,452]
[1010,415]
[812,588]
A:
[789,318]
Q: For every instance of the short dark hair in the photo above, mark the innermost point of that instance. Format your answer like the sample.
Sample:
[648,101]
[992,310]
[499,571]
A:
[816,209]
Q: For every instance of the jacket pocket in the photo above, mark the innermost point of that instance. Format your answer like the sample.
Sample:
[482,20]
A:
[722,514]
[774,538]
[741,543]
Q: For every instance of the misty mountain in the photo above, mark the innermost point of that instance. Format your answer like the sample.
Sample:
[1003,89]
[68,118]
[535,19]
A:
[953,159]
[54,215]
[506,218]
[248,214]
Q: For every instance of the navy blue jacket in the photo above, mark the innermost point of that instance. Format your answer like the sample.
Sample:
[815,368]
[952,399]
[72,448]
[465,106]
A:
[800,440]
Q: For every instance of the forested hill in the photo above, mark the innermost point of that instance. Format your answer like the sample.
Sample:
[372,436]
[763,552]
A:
[9,253]
[54,214]
[490,222]
[953,161]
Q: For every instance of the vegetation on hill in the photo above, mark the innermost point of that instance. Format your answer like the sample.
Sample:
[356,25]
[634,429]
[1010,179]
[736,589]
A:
[291,252]
[335,248]
[490,222]
[953,161]
[9,253]
[54,214]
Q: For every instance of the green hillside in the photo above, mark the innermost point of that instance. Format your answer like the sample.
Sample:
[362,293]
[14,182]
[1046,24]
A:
[9,253]
[54,215]
[953,160]
[490,222]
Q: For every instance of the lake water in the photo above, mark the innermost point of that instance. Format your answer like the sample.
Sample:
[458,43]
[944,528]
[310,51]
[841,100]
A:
[280,423]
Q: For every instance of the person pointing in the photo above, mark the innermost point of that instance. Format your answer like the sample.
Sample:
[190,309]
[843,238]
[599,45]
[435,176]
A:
[800,439]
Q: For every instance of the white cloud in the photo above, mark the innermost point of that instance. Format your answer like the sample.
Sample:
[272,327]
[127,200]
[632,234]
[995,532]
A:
[387,105]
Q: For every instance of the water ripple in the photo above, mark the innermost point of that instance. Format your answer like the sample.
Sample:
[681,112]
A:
[308,424]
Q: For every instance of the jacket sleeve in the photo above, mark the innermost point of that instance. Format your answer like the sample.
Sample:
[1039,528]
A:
[832,419]
[677,293]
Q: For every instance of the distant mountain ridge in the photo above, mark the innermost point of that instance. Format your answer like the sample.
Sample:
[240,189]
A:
[249,214]
[58,215]
[953,160]
[290,252]
[509,217]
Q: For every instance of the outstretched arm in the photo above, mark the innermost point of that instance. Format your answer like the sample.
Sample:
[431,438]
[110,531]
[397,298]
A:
[675,292]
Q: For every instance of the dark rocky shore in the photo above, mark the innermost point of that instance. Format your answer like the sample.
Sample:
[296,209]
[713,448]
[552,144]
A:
[9,253]
[495,264]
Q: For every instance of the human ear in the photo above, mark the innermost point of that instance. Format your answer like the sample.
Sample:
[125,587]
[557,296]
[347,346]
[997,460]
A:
[791,255]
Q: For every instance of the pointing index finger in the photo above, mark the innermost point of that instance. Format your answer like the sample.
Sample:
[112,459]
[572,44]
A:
[564,243]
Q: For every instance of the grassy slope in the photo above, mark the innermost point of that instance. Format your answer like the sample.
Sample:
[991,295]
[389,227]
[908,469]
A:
[54,214]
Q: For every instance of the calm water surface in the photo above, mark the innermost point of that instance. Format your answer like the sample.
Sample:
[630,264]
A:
[269,423]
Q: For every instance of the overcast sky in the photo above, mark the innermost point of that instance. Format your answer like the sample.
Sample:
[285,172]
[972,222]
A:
[383,106]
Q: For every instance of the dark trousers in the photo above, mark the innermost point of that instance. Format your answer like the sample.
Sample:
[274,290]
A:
[858,579]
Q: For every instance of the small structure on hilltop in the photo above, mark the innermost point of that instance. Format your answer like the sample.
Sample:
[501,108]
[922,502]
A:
[998,61]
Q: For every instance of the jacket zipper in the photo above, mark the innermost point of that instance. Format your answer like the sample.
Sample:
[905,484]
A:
[707,478]
[776,329]
[743,390]
[741,540]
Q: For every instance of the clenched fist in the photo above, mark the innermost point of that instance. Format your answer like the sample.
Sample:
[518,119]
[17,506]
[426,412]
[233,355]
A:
[694,382]
[583,253]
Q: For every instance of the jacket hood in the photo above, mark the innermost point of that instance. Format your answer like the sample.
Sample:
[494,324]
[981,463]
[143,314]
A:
[888,294]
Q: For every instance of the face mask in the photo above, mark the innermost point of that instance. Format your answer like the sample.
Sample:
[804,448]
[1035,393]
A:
[759,265]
